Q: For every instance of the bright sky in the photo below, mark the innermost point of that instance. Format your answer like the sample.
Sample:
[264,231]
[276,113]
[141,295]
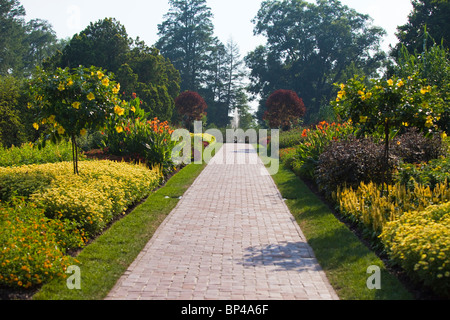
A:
[232,18]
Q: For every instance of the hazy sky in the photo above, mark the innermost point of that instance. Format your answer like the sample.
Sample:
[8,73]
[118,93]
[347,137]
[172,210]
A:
[232,18]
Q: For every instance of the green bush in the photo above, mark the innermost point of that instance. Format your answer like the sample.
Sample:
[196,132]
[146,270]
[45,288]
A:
[420,243]
[292,138]
[435,172]
[29,154]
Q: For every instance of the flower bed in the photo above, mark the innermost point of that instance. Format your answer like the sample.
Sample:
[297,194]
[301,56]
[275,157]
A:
[59,211]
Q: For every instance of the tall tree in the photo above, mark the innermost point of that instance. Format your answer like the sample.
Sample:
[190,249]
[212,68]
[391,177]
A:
[309,48]
[186,38]
[12,15]
[428,17]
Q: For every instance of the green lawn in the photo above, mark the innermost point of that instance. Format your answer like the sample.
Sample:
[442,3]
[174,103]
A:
[344,258]
[104,261]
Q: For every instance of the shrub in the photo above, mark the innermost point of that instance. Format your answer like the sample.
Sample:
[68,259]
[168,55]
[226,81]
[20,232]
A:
[32,246]
[414,147]
[29,154]
[284,108]
[92,199]
[351,162]
[419,241]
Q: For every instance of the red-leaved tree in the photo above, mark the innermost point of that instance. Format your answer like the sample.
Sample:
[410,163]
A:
[190,107]
[284,108]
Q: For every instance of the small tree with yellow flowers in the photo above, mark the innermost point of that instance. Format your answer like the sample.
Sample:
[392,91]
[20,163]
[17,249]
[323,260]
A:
[69,102]
[388,105]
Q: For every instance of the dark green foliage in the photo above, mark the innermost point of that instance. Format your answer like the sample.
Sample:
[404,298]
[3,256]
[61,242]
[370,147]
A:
[428,16]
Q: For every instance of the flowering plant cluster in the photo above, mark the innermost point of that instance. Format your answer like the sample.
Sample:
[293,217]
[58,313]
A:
[314,142]
[59,211]
[69,102]
[129,132]
[390,103]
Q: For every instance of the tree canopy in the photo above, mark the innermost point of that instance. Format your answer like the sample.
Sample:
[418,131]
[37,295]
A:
[428,18]
[138,68]
[23,45]
[310,47]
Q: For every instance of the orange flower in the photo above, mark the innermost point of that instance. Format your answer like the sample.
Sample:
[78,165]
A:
[305,133]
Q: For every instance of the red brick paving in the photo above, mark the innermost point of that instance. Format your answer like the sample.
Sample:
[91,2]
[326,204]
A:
[231,237]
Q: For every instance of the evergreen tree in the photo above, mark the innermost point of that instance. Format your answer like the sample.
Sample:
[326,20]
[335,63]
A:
[428,18]
[186,38]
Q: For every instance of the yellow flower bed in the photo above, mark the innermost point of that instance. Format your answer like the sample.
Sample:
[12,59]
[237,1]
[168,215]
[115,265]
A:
[103,190]
[420,242]
[59,211]
[367,205]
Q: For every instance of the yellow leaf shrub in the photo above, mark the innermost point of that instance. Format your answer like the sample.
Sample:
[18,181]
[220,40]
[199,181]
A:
[419,241]
[102,191]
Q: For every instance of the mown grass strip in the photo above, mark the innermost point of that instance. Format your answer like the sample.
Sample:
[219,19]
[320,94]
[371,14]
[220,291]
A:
[344,258]
[104,261]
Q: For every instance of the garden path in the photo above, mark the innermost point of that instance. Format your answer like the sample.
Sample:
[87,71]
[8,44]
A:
[231,237]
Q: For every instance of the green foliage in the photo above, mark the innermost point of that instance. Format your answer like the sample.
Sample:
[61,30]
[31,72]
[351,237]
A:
[23,45]
[12,130]
[139,139]
[71,102]
[186,38]
[432,173]
[30,154]
[394,103]
[138,68]
[433,64]
[428,17]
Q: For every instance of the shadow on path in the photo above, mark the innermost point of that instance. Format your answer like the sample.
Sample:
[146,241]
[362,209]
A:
[293,256]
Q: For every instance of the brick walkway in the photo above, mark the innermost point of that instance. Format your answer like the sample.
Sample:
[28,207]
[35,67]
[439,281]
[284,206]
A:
[231,237]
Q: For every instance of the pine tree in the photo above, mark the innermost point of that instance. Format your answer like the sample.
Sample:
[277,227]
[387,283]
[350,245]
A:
[186,38]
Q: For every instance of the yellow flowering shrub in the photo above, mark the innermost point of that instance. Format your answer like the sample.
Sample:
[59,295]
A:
[419,241]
